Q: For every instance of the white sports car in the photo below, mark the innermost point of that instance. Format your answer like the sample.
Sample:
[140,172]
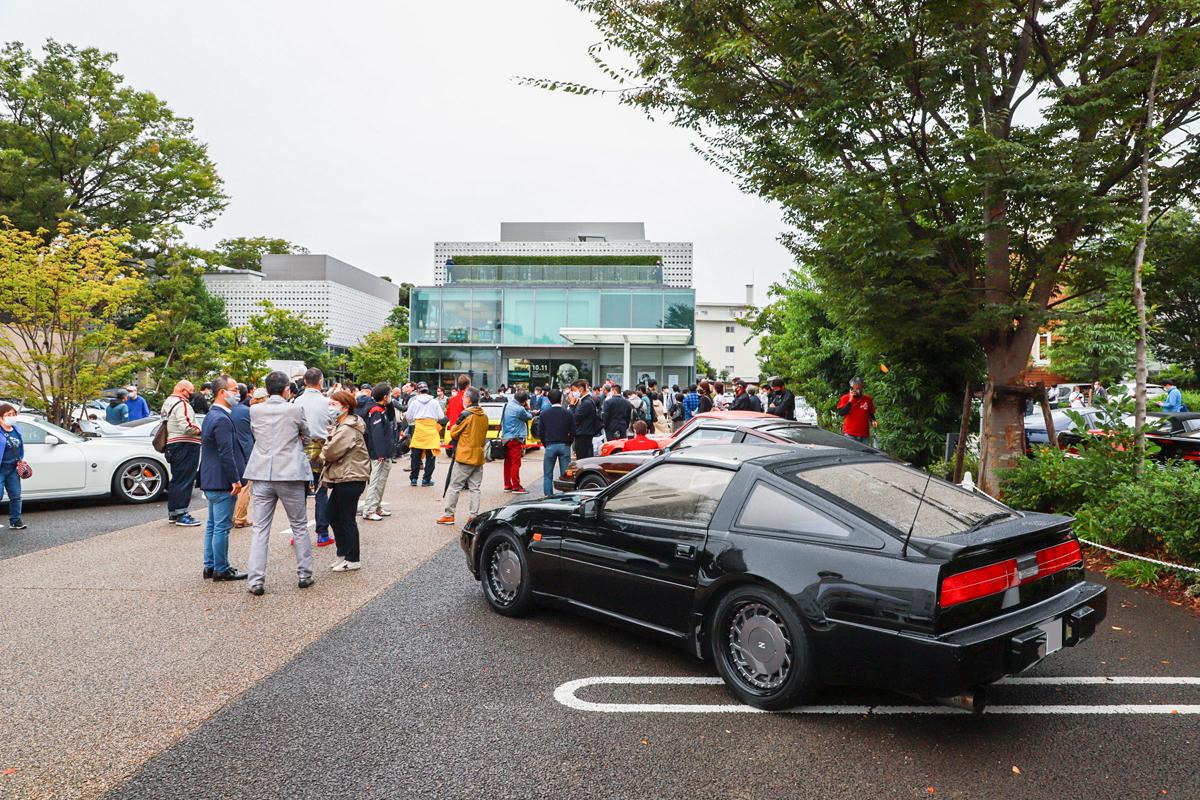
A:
[67,465]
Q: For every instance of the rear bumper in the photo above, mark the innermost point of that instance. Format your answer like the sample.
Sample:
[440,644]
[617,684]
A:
[564,485]
[956,662]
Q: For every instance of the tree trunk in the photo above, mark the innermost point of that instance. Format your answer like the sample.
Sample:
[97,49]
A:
[1139,258]
[1002,444]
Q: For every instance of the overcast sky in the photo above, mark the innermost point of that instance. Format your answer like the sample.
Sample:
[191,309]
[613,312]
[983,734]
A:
[368,130]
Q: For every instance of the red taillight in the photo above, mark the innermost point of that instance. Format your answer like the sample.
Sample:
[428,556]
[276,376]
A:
[1059,557]
[995,578]
[976,583]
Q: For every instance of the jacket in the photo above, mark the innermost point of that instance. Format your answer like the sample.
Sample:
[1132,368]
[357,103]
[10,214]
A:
[240,416]
[470,432]
[181,422]
[660,417]
[345,452]
[617,413]
[116,413]
[316,412]
[514,421]
[280,434]
[380,433]
[425,414]
[138,408]
[782,404]
[556,426]
[454,409]
[741,402]
[221,462]
[13,449]
[587,421]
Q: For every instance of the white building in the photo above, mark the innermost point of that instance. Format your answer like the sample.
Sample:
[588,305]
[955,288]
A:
[725,343]
[573,239]
[350,302]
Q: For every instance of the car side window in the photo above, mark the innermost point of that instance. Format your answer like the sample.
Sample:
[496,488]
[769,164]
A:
[31,434]
[686,493]
[769,509]
[705,436]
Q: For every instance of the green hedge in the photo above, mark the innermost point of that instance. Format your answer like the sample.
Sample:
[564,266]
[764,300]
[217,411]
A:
[644,261]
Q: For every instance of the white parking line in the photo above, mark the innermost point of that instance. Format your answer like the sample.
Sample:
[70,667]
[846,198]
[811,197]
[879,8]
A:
[566,695]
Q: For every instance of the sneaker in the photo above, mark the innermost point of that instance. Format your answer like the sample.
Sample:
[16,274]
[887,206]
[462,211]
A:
[447,520]
[519,491]
[257,590]
[347,566]
[334,565]
[412,482]
[187,521]
[427,483]
[328,540]
[373,517]
[384,512]
[20,526]
[304,583]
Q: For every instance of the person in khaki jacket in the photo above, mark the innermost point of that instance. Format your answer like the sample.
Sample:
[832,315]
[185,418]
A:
[347,467]
[470,431]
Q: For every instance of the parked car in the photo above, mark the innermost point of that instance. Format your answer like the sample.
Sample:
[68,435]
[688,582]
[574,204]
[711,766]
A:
[68,465]
[1176,434]
[1153,390]
[793,568]
[1035,425]
[718,428]
[664,439]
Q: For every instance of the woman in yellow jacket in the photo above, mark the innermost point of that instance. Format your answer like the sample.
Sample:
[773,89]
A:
[425,415]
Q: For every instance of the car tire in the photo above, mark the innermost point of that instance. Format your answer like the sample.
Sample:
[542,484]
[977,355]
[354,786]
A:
[504,572]
[139,480]
[590,483]
[779,672]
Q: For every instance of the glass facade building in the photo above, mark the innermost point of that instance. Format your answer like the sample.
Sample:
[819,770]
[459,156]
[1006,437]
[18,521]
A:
[511,333]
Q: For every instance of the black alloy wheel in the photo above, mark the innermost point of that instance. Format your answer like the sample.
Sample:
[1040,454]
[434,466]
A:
[591,483]
[142,480]
[504,569]
[761,651]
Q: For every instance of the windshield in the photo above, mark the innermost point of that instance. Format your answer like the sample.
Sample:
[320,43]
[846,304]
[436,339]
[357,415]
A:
[62,433]
[892,493]
[137,423]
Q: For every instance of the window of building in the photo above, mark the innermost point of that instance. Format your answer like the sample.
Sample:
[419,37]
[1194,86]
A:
[729,329]
[614,309]
[728,348]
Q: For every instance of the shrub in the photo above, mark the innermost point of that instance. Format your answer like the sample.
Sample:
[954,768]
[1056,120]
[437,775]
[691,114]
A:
[1053,481]
[1159,510]
[945,469]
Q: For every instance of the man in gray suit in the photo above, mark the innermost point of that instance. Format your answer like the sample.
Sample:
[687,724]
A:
[279,470]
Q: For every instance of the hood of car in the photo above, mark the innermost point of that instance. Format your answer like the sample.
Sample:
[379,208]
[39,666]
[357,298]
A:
[117,446]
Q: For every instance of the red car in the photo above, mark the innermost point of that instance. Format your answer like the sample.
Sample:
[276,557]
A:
[665,439]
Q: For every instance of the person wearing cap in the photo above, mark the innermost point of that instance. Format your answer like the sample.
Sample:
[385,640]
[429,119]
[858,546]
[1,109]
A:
[425,415]
[381,446]
[117,411]
[857,410]
[137,406]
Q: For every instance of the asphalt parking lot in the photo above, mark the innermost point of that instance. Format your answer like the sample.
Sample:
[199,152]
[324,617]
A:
[424,692]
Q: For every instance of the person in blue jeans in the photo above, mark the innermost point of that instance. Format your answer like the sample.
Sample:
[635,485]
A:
[556,428]
[13,451]
[221,468]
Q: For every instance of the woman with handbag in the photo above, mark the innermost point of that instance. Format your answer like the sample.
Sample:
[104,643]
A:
[347,467]
[13,466]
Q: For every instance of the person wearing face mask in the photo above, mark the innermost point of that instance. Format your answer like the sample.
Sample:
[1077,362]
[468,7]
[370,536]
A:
[182,452]
[347,467]
[12,455]
[245,439]
[857,410]
[221,468]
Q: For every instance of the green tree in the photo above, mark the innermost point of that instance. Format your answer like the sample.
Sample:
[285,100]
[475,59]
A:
[704,369]
[177,317]
[289,336]
[63,295]
[377,358]
[1095,341]
[1173,288]
[900,140]
[77,144]
[246,252]
[239,353]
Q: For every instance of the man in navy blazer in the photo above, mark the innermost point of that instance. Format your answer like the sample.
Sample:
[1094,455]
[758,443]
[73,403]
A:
[221,468]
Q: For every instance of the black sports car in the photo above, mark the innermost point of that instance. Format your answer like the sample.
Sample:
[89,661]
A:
[792,568]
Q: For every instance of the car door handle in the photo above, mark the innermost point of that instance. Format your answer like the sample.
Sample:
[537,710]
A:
[685,551]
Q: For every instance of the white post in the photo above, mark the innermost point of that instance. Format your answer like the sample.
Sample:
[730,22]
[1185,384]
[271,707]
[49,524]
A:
[627,366]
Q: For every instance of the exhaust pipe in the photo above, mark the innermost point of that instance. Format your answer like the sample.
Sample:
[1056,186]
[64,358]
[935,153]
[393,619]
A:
[974,701]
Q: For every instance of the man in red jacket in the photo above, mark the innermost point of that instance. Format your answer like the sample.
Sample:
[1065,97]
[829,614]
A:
[454,408]
[857,410]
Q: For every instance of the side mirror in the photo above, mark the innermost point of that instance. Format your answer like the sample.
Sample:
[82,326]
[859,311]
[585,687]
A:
[52,440]
[590,508]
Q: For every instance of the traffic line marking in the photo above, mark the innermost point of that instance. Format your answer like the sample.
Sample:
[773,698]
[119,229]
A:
[566,695]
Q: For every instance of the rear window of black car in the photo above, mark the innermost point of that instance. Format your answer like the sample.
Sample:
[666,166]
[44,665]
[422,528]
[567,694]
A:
[815,435]
[892,492]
